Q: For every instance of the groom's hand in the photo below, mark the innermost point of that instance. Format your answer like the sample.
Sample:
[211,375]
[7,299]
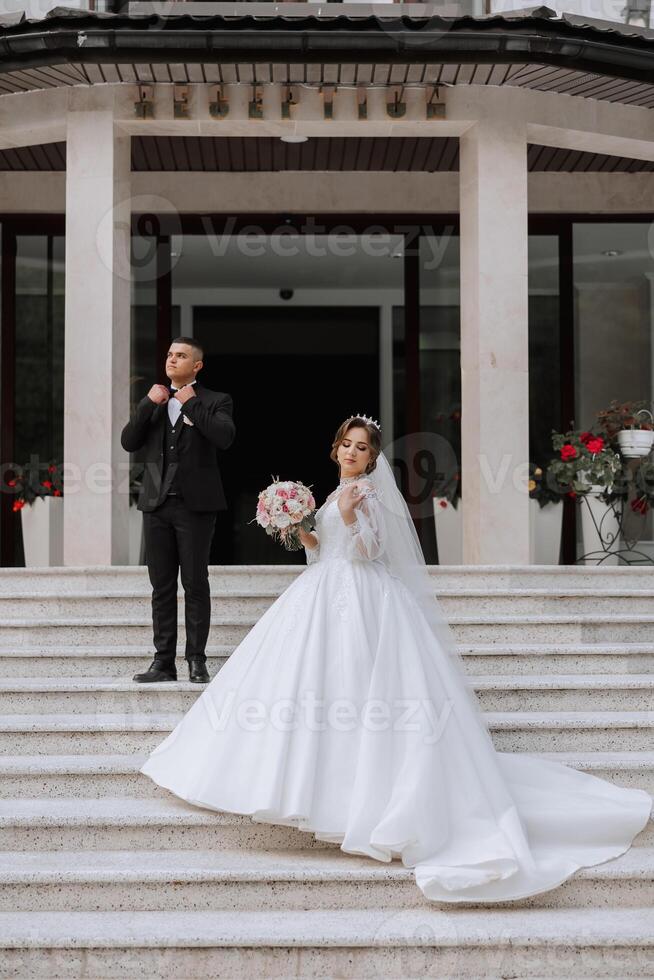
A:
[184,394]
[158,394]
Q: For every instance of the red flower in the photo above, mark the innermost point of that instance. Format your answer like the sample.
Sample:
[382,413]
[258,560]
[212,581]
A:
[52,468]
[46,483]
[568,452]
[18,505]
[595,445]
[640,505]
[442,503]
[572,493]
[585,436]
[11,483]
[56,493]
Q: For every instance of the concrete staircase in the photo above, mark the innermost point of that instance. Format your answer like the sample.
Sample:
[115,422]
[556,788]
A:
[103,874]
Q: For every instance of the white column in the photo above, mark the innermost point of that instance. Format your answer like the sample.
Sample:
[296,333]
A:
[494,342]
[97,338]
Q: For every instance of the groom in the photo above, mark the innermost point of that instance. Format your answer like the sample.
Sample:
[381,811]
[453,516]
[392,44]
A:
[180,427]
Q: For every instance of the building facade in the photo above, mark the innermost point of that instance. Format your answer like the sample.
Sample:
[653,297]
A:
[441,220]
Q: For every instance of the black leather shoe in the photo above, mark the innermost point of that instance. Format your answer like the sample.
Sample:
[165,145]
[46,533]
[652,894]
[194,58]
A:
[154,673]
[197,671]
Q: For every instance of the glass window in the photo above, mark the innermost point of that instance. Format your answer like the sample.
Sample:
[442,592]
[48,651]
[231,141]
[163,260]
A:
[614,319]
[286,322]
[39,381]
[544,346]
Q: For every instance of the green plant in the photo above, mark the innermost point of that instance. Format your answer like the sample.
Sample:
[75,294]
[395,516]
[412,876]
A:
[34,481]
[586,460]
[540,488]
[623,415]
[448,488]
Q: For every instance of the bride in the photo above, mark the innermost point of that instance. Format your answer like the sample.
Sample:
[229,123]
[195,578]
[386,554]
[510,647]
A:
[346,712]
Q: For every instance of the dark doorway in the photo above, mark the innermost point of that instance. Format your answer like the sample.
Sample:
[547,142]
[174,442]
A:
[294,375]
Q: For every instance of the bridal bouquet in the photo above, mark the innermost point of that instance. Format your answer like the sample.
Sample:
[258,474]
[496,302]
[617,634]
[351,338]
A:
[283,509]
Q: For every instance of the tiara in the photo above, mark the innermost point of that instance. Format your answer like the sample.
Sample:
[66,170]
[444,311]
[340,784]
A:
[366,419]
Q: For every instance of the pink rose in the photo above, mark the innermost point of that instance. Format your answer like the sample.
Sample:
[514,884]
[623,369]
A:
[283,494]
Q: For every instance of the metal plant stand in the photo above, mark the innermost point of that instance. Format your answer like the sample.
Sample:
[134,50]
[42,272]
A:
[612,541]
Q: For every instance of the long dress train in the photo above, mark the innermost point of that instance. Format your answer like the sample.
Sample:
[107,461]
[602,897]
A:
[340,714]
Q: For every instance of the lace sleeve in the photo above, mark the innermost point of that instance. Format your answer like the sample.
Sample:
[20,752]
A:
[313,553]
[366,534]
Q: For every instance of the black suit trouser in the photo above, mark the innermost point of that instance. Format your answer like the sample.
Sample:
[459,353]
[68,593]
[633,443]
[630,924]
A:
[178,539]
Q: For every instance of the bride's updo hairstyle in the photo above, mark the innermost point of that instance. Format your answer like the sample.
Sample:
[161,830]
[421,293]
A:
[374,437]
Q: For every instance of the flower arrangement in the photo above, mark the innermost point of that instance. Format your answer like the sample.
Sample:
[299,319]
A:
[586,461]
[448,493]
[623,415]
[283,509]
[30,483]
[540,488]
[630,427]
[637,486]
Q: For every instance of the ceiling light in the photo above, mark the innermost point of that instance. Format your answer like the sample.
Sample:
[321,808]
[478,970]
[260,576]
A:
[612,252]
[293,138]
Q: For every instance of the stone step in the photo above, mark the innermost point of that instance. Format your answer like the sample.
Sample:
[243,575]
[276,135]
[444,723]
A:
[99,776]
[124,604]
[477,629]
[162,823]
[101,661]
[118,660]
[352,943]
[562,692]
[561,657]
[237,879]
[151,824]
[59,580]
[86,695]
[228,603]
[512,731]
[519,692]
[101,577]
[567,731]
[95,776]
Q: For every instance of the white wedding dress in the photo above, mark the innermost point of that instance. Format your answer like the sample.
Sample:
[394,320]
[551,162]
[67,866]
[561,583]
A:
[341,714]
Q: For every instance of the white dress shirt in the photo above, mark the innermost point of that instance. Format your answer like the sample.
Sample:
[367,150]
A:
[175,406]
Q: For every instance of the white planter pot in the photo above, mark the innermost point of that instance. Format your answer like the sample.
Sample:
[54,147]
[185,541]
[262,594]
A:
[135,526]
[635,442]
[599,530]
[449,531]
[43,531]
[545,527]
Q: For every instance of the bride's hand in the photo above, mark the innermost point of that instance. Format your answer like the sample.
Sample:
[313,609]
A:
[347,501]
[308,539]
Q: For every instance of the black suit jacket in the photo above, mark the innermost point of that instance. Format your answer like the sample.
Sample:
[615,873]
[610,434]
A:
[198,474]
